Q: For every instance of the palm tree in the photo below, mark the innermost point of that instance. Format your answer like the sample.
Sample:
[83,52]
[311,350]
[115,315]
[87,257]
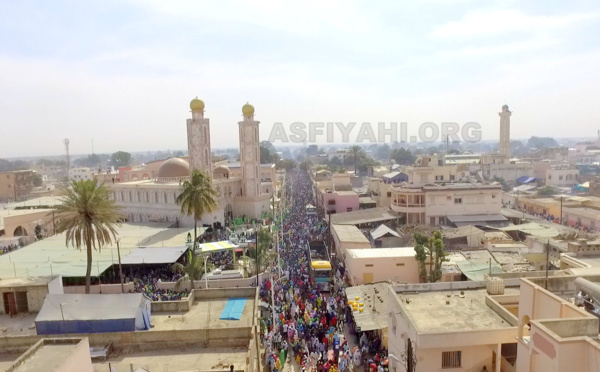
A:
[197,198]
[356,151]
[89,217]
[193,269]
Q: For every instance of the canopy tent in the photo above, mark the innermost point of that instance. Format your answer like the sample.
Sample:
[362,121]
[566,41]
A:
[477,271]
[93,313]
[383,230]
[154,255]
[582,187]
[216,246]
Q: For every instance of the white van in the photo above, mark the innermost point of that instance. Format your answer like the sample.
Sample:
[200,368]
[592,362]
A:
[223,274]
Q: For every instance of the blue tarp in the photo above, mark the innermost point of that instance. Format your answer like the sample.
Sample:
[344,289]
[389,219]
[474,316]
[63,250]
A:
[526,179]
[233,309]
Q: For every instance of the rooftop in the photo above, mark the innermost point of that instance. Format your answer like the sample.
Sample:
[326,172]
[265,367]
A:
[375,310]
[51,256]
[469,312]
[363,216]
[349,233]
[382,252]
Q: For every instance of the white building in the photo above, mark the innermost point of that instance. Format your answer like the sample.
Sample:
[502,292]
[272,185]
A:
[436,204]
[245,191]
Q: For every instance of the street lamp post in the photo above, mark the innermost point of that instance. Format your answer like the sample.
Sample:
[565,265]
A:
[205,275]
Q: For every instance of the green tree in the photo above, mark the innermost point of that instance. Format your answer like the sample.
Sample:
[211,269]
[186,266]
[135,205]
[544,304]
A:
[547,191]
[403,156]
[356,152]
[89,217]
[383,152]
[287,164]
[305,165]
[192,269]
[541,142]
[431,248]
[37,180]
[312,150]
[120,159]
[197,198]
[501,181]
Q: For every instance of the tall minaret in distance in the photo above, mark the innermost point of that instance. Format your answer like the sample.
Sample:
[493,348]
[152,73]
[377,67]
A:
[249,153]
[504,146]
[198,134]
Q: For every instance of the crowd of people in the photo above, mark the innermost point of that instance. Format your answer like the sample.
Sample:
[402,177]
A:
[307,325]
[9,248]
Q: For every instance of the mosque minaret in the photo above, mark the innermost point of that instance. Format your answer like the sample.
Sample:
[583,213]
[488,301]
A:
[198,135]
[504,146]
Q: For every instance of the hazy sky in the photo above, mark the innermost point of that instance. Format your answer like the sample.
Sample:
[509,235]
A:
[123,72]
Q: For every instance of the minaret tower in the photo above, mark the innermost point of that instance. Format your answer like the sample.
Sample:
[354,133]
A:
[504,146]
[249,153]
[198,134]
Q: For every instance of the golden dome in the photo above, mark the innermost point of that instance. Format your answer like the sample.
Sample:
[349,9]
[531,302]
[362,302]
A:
[174,168]
[197,104]
[248,109]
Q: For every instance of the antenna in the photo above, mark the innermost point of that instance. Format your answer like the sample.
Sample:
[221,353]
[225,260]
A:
[66,142]
[92,147]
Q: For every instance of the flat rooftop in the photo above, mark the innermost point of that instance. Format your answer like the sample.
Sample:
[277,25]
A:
[46,358]
[430,313]
[349,233]
[382,252]
[178,359]
[205,313]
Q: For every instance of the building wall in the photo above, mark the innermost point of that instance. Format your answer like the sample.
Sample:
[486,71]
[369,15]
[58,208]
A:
[28,222]
[398,269]
[16,184]
[341,202]
[78,360]
[35,297]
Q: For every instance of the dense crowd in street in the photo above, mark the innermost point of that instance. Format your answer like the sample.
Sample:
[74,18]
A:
[308,326]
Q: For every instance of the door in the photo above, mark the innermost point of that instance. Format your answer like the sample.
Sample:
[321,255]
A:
[367,278]
[22,303]
[10,306]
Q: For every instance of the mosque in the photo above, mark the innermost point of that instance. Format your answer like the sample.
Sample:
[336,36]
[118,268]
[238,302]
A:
[245,188]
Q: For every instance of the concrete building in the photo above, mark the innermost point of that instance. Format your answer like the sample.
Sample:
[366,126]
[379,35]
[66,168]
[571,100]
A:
[16,184]
[347,237]
[149,194]
[434,204]
[339,201]
[31,224]
[380,264]
[553,334]
[81,173]
[556,174]
[438,330]
[26,295]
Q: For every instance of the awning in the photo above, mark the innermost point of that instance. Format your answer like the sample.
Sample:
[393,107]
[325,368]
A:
[216,246]
[476,272]
[161,255]
[383,230]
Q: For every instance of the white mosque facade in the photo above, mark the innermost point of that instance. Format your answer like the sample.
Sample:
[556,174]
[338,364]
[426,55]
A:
[148,194]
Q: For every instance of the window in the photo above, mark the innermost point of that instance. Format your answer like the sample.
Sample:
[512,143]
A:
[439,178]
[349,209]
[389,194]
[369,265]
[493,196]
[399,264]
[457,200]
[451,359]
[452,177]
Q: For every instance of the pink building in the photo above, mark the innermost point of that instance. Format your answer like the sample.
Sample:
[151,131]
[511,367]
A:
[339,201]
